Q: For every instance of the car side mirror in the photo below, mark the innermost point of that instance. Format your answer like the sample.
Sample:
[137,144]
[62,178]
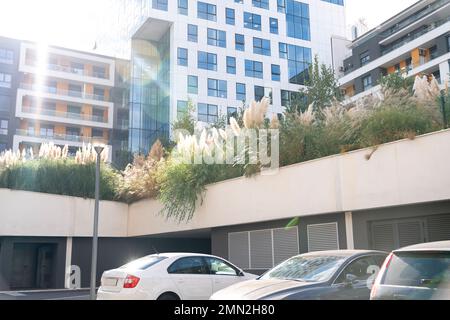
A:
[350,279]
[241,273]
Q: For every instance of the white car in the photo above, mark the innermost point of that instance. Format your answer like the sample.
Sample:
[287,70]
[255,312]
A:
[170,276]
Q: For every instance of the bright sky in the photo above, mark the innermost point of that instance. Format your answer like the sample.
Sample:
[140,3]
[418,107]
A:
[77,23]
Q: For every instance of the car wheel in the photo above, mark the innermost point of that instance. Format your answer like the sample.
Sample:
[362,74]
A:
[169,296]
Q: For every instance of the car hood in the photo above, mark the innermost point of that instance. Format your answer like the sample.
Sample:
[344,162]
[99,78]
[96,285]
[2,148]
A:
[258,289]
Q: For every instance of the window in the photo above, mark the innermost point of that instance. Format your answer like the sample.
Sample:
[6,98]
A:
[338,2]
[182,108]
[231,113]
[261,46]
[99,93]
[448,43]
[6,56]
[206,11]
[98,72]
[217,38]
[193,84]
[52,87]
[47,130]
[274,25]
[261,92]
[367,82]
[5,80]
[231,65]
[239,42]
[276,72]
[98,115]
[5,103]
[297,20]
[261,4]
[364,58]
[190,265]
[253,69]
[159,4]
[281,6]
[252,21]
[4,127]
[183,7]
[207,112]
[74,132]
[182,57]
[241,92]
[97,133]
[192,33]
[292,98]
[2,147]
[74,111]
[299,60]
[217,88]
[239,1]
[77,68]
[143,263]
[220,267]
[207,61]
[230,16]
[75,90]
[360,269]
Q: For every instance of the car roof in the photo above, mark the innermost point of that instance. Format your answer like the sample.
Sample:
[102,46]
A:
[343,253]
[179,254]
[430,246]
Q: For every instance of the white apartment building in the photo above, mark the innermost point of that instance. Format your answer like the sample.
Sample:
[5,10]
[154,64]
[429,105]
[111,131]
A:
[218,54]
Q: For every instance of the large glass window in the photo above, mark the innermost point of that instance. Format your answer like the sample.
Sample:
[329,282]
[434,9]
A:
[364,58]
[192,33]
[206,11]
[207,61]
[193,84]
[182,108]
[241,91]
[253,69]
[299,59]
[159,4]
[230,16]
[261,92]
[274,25]
[297,19]
[183,7]
[261,46]
[217,88]
[217,38]
[231,65]
[182,57]
[367,82]
[239,42]
[292,98]
[252,21]
[207,113]
[276,72]
[6,56]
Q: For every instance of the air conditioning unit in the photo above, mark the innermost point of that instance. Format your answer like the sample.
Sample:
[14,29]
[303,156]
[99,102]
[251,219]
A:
[422,52]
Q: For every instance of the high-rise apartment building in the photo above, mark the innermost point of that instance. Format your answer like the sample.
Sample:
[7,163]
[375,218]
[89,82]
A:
[51,94]
[414,42]
[218,54]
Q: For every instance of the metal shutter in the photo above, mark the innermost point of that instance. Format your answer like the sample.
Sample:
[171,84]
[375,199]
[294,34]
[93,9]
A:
[438,228]
[238,249]
[285,244]
[322,237]
[409,233]
[261,255]
[383,237]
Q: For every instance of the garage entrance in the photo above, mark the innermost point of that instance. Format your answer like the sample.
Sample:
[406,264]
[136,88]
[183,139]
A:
[32,266]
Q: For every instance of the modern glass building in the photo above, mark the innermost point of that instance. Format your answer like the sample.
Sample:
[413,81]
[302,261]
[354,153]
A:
[218,54]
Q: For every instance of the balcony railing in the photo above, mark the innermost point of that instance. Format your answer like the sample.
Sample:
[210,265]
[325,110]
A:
[62,137]
[66,69]
[67,115]
[67,93]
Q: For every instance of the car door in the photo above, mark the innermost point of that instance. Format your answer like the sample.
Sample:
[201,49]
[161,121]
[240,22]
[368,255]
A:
[192,278]
[356,279]
[222,273]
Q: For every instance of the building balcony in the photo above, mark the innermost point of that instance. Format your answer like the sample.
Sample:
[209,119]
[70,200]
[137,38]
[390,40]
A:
[62,137]
[65,93]
[68,115]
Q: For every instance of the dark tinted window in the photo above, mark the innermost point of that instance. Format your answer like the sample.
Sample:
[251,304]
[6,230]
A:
[419,270]
[362,268]
[220,267]
[191,265]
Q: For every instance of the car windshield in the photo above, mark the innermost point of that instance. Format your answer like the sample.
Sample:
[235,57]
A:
[424,269]
[143,263]
[311,268]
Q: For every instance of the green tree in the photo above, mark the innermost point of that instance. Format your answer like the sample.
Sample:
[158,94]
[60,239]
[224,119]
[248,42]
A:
[185,119]
[395,82]
[321,87]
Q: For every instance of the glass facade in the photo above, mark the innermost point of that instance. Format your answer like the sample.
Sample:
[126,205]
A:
[149,98]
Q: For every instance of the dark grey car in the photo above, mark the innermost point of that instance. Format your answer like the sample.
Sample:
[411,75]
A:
[419,272]
[326,275]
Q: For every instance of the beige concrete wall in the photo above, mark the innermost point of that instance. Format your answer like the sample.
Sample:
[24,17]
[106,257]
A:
[398,173]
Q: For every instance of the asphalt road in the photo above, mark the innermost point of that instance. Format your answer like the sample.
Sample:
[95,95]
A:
[46,295]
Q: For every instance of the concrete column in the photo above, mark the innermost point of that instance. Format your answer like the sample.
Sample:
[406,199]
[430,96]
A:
[68,264]
[349,230]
